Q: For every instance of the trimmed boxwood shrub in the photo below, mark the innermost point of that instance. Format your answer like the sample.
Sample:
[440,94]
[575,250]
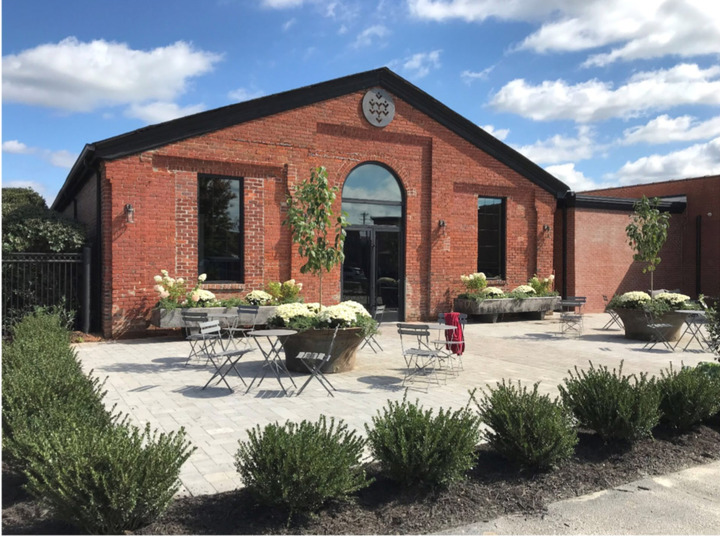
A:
[416,447]
[301,466]
[688,396]
[617,407]
[107,481]
[525,426]
[99,474]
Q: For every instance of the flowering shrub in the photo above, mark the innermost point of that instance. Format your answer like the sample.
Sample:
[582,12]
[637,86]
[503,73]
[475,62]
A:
[492,292]
[630,300]
[287,292]
[674,300]
[524,289]
[174,292]
[542,287]
[474,282]
[258,297]
[302,316]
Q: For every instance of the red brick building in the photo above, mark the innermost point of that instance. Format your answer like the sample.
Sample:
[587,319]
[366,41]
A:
[599,260]
[430,196]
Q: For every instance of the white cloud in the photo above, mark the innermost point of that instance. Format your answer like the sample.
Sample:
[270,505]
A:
[636,29]
[575,179]
[157,112]
[16,147]
[62,158]
[289,24]
[243,94]
[420,64]
[281,4]
[500,133]
[81,77]
[694,161]
[562,148]
[469,76]
[666,129]
[370,35]
[595,100]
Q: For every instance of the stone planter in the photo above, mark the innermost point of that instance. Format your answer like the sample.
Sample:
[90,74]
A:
[172,318]
[636,324]
[491,310]
[342,358]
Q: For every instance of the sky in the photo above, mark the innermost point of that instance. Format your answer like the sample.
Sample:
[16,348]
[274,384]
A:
[600,93]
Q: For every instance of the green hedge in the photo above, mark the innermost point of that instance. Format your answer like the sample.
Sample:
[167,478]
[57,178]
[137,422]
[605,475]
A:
[102,475]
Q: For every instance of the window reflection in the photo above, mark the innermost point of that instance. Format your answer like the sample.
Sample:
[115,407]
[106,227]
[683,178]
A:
[372,182]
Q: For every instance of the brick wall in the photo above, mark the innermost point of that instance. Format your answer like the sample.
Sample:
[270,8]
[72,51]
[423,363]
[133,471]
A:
[441,176]
[703,205]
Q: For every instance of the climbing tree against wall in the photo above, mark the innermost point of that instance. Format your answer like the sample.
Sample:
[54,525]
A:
[320,237]
[647,233]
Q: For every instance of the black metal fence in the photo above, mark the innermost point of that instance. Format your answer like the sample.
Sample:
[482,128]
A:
[46,279]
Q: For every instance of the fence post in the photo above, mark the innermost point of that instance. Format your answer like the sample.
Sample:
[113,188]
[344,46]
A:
[86,290]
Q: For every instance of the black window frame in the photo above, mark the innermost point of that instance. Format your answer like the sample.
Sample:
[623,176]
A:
[482,262]
[241,246]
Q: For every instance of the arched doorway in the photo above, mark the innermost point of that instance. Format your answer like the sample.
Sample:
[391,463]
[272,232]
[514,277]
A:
[374,266]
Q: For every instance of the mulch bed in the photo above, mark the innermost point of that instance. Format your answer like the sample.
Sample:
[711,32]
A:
[494,488]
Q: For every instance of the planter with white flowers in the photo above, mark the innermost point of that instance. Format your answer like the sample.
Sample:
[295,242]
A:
[631,308]
[316,326]
[489,304]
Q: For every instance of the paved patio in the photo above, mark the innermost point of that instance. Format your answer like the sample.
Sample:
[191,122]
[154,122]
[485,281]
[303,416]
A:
[147,379]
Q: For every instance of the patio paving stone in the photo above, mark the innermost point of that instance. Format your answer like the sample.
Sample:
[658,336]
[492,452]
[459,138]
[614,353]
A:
[147,379]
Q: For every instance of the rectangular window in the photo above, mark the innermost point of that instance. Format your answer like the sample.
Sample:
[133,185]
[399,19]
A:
[491,237]
[220,228]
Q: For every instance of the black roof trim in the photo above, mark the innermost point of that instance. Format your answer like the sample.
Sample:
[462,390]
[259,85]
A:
[623,204]
[154,136]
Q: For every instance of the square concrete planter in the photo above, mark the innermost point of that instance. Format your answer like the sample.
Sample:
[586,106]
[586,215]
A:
[172,318]
[491,310]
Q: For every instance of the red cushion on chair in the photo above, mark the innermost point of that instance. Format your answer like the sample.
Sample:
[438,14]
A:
[454,336]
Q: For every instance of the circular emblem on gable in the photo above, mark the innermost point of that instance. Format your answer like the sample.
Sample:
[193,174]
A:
[378,107]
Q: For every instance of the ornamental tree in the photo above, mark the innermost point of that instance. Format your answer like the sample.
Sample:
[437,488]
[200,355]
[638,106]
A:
[320,237]
[647,233]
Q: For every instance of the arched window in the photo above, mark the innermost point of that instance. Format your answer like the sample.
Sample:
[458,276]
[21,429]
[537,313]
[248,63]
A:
[372,196]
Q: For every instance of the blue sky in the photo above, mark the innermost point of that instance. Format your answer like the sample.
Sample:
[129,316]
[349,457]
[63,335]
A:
[599,93]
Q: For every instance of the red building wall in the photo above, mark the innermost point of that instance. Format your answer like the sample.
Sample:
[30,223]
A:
[441,174]
[600,259]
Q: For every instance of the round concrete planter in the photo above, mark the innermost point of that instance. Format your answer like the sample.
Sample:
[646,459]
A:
[490,310]
[344,349]
[172,318]
[636,328]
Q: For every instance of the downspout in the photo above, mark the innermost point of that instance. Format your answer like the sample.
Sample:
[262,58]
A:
[564,202]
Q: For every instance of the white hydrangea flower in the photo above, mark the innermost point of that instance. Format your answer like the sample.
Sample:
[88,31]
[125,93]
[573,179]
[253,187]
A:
[259,297]
[673,299]
[202,278]
[492,291]
[525,289]
[158,279]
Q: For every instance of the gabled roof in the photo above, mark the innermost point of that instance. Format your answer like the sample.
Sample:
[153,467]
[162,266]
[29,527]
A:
[154,136]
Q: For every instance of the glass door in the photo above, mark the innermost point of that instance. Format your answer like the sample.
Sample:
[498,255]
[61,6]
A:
[371,271]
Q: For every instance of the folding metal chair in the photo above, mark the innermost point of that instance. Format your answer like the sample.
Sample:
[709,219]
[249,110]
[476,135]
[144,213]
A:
[450,353]
[571,317]
[191,321]
[419,357]
[614,318]
[314,362]
[370,340]
[658,332]
[245,322]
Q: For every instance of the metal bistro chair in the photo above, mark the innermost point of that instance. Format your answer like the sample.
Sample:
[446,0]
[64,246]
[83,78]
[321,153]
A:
[370,340]
[449,353]
[571,317]
[191,321]
[658,332]
[614,318]
[245,323]
[415,346]
[314,362]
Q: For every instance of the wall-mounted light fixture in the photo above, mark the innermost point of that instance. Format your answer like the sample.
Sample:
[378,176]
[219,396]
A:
[129,213]
[709,214]
[441,223]
[546,228]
